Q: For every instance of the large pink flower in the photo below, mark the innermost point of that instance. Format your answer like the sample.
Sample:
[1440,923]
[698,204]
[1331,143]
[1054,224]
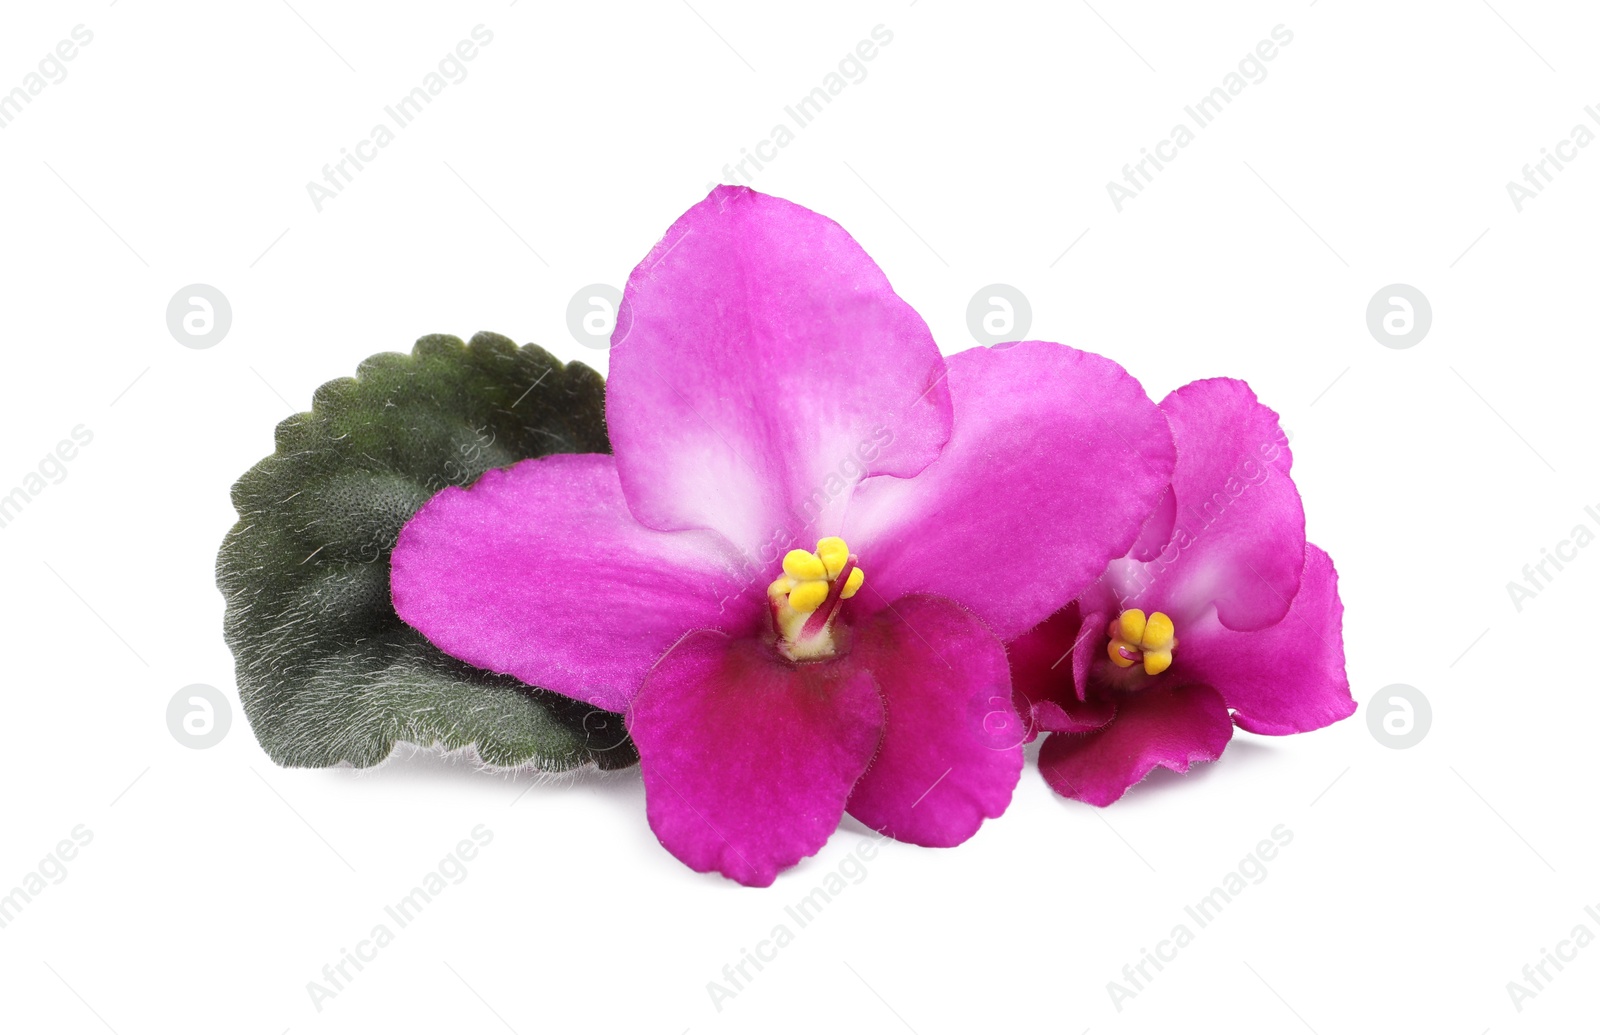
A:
[1221,606]
[771,393]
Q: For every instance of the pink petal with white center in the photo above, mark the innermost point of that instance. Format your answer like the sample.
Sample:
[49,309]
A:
[540,571]
[1056,459]
[1238,536]
[1287,678]
[768,367]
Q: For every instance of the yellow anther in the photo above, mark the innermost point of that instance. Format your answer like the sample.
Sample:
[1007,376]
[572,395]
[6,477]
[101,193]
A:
[1156,661]
[1131,625]
[808,596]
[1157,633]
[1137,639]
[833,553]
[804,565]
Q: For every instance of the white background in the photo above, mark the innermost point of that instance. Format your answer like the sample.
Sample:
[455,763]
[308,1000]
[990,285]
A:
[1419,881]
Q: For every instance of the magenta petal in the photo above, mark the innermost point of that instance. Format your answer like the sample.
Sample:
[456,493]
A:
[1050,670]
[1288,678]
[1088,648]
[769,366]
[1155,726]
[1055,461]
[539,571]
[1239,532]
[1074,716]
[952,743]
[1041,667]
[1157,530]
[748,759]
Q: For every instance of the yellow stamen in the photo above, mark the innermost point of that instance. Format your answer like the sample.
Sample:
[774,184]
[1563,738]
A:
[1157,633]
[833,552]
[1131,623]
[803,565]
[804,588]
[808,596]
[1136,639]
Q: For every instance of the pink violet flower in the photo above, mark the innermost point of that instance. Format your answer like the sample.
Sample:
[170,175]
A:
[773,392]
[1222,606]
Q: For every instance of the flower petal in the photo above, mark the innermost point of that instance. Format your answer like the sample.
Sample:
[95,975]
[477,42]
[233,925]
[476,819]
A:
[1072,716]
[952,743]
[1238,537]
[539,571]
[1157,530]
[1055,461]
[768,367]
[1290,677]
[1050,673]
[1155,726]
[747,758]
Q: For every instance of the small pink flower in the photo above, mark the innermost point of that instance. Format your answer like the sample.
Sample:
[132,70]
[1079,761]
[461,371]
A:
[773,393]
[1222,606]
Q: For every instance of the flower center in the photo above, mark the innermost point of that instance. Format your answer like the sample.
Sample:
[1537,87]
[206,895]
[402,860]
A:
[805,599]
[1135,638]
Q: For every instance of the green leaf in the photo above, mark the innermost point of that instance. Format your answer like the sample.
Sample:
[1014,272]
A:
[327,671]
